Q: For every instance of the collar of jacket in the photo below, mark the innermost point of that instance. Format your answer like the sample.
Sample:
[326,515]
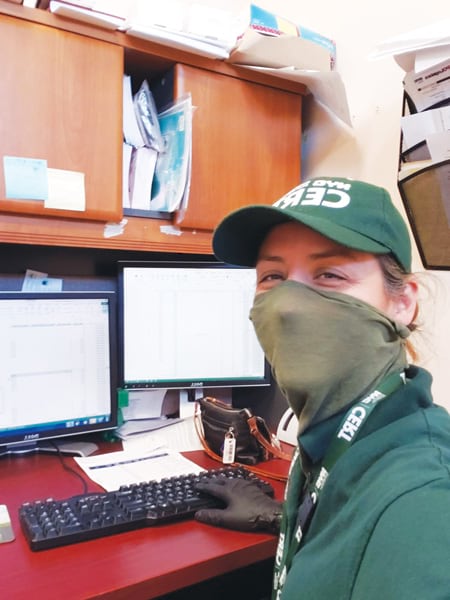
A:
[315,440]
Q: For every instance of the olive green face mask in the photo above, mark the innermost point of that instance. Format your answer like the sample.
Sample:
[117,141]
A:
[326,349]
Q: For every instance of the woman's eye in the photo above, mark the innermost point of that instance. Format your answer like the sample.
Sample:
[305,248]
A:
[267,280]
[329,277]
[270,277]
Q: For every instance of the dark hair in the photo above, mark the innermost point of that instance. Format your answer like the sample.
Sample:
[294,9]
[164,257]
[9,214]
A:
[395,279]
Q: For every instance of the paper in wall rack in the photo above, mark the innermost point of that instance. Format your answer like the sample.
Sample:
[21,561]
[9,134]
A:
[424,165]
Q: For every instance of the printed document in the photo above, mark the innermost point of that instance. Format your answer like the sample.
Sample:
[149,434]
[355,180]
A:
[126,467]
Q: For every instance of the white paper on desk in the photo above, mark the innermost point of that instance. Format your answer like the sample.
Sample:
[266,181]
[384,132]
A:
[180,437]
[126,467]
[326,87]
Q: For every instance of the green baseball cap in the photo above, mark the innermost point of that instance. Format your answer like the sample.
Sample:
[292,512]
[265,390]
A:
[353,213]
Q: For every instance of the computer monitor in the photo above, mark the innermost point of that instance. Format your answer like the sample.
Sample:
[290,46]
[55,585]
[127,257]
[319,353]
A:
[58,366]
[186,325]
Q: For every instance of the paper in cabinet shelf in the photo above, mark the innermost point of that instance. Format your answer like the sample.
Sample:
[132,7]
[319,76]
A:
[173,166]
[127,151]
[141,146]
[131,130]
[147,117]
[142,169]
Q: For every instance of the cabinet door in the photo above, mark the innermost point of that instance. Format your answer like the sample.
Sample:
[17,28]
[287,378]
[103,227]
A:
[60,101]
[245,144]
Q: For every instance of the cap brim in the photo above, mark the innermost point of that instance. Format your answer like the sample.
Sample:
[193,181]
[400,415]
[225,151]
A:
[239,236]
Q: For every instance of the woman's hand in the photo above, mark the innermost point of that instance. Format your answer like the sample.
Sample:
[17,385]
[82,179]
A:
[247,506]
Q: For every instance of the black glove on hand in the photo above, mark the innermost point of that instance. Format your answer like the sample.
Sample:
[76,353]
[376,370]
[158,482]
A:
[248,507]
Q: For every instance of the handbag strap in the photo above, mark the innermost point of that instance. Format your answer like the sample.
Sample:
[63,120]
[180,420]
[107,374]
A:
[214,456]
[269,446]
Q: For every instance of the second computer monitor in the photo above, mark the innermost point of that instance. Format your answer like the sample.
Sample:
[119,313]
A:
[186,325]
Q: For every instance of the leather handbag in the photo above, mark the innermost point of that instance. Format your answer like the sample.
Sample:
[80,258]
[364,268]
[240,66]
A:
[221,427]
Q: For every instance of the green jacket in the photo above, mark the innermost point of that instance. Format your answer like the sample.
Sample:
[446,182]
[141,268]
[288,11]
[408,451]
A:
[381,529]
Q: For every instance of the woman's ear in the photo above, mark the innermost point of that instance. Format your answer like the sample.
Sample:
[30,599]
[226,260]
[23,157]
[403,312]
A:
[406,303]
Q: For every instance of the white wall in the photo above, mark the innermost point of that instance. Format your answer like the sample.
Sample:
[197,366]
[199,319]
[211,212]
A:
[370,150]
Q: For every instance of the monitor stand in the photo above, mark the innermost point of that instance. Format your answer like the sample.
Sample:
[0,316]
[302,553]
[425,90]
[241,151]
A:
[69,447]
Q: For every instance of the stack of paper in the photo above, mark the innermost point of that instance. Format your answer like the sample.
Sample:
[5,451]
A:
[142,143]
[271,41]
[418,49]
[282,51]
[428,88]
[195,27]
[424,170]
[424,54]
[293,52]
[426,130]
[108,14]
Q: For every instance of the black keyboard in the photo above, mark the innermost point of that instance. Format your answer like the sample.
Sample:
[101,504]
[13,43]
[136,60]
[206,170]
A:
[51,523]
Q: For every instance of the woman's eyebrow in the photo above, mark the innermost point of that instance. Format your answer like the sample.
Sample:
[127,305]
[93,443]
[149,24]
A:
[269,258]
[331,253]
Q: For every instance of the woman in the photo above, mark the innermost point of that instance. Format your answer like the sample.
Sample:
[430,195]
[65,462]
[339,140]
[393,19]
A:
[367,506]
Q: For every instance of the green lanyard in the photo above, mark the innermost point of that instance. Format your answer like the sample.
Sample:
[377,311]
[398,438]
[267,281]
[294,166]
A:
[344,437]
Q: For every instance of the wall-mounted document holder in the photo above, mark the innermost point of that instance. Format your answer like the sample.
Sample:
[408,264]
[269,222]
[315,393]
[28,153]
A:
[424,176]
[426,197]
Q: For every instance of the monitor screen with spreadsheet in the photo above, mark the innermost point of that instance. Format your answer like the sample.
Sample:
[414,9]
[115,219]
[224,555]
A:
[58,365]
[186,325]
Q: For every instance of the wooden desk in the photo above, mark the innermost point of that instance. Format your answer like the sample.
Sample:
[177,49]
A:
[141,564]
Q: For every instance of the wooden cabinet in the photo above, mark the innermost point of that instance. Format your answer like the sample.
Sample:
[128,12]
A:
[60,94]
[245,144]
[61,100]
